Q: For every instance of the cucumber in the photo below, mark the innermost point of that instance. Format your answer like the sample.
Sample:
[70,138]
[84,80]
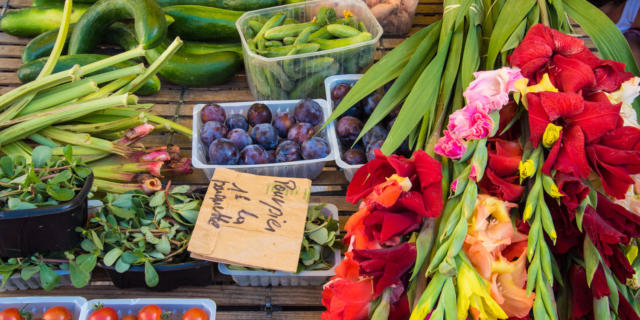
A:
[342,31]
[184,67]
[149,22]
[289,30]
[42,45]
[203,23]
[29,71]
[284,50]
[47,3]
[239,5]
[326,16]
[30,22]
[338,43]
[322,33]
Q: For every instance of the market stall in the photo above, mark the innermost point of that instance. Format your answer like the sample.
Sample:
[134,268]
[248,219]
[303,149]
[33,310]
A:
[479,163]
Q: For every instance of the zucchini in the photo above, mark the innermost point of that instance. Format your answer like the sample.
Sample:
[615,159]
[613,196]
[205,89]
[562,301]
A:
[149,22]
[240,5]
[30,22]
[29,71]
[202,23]
[193,47]
[42,45]
[184,67]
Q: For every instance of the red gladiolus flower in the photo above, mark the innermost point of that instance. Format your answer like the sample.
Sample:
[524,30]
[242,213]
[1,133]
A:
[388,227]
[376,172]
[534,56]
[386,266]
[568,234]
[614,157]
[501,177]
[609,75]
[581,299]
[574,191]
[347,299]
[571,75]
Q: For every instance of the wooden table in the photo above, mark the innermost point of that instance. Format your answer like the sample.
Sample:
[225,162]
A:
[176,103]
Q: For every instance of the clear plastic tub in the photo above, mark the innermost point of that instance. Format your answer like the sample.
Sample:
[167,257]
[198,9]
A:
[279,278]
[38,305]
[395,16]
[15,282]
[301,76]
[348,169]
[177,307]
[309,169]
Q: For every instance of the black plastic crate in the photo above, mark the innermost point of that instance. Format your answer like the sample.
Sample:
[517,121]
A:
[197,273]
[48,229]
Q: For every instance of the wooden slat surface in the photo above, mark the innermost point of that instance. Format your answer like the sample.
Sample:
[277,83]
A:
[176,103]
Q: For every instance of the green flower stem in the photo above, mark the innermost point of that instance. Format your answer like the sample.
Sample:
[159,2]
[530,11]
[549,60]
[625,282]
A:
[110,126]
[84,139]
[37,122]
[43,102]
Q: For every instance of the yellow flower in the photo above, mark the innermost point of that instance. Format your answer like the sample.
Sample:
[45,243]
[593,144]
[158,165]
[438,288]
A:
[544,85]
[527,169]
[474,297]
[314,19]
[551,135]
[347,14]
[404,182]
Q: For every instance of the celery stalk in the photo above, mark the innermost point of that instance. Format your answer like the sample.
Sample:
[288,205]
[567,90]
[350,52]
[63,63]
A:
[37,85]
[42,102]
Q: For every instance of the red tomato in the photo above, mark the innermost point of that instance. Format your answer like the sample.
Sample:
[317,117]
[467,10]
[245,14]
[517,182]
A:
[105,313]
[10,314]
[195,314]
[151,312]
[57,313]
[129,317]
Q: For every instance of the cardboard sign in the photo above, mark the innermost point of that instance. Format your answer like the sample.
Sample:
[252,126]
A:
[251,220]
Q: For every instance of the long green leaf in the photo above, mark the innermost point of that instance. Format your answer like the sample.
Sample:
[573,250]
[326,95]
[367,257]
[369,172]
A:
[403,85]
[511,15]
[385,70]
[422,99]
[608,39]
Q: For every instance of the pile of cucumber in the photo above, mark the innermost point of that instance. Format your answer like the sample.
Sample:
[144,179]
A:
[212,55]
[282,39]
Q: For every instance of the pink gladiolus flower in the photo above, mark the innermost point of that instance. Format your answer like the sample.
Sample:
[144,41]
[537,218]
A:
[450,146]
[470,122]
[491,88]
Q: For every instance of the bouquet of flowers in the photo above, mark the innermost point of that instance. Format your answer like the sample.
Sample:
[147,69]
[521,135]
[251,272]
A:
[532,210]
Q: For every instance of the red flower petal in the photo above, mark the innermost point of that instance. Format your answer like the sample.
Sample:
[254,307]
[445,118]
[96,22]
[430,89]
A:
[388,224]
[386,265]
[546,107]
[618,216]
[553,155]
[574,191]
[507,190]
[347,299]
[610,75]
[504,160]
[599,286]
[615,180]
[534,52]
[597,119]
[429,172]
[572,158]
[625,310]
[572,75]
[581,299]
[368,176]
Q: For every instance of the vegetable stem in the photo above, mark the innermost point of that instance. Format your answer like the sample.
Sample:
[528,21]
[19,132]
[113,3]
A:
[38,84]
[84,139]
[139,81]
[42,102]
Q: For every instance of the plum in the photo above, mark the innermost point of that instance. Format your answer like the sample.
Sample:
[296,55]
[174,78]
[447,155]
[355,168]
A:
[213,112]
[308,111]
[258,113]
[339,92]
[354,156]
[315,148]
[271,156]
[265,135]
[237,121]
[212,130]
[300,132]
[376,133]
[348,129]
[240,137]
[254,154]
[371,147]
[283,122]
[288,151]
[370,103]
[223,152]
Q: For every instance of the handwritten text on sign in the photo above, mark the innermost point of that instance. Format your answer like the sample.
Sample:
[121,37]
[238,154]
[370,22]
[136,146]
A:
[251,220]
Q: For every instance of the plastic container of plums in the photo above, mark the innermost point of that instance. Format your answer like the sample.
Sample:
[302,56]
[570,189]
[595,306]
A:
[350,157]
[299,151]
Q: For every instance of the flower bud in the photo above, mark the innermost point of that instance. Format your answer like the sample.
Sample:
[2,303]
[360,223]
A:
[551,135]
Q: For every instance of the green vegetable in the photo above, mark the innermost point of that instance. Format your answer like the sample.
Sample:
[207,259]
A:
[289,40]
[304,35]
[193,47]
[149,21]
[239,5]
[322,33]
[274,43]
[29,71]
[195,66]
[284,50]
[51,3]
[41,45]
[310,83]
[291,30]
[255,26]
[45,267]
[326,16]
[134,229]
[274,21]
[342,31]
[30,22]
[203,23]
[298,68]
[338,43]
